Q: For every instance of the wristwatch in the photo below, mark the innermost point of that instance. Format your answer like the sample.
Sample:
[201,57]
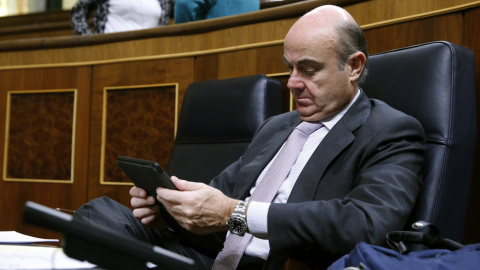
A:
[237,223]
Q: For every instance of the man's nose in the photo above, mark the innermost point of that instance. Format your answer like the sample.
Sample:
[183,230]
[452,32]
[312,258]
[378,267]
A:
[294,82]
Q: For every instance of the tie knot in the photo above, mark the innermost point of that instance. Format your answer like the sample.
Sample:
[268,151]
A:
[309,127]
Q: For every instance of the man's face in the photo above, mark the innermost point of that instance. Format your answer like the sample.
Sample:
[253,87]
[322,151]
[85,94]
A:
[319,87]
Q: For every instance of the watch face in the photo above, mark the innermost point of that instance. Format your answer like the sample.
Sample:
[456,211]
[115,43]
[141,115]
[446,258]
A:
[237,225]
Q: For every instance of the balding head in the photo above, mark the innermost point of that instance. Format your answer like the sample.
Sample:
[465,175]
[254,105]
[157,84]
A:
[333,27]
[325,51]
[326,16]
[319,20]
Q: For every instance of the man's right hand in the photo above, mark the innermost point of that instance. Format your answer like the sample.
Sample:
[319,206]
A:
[145,209]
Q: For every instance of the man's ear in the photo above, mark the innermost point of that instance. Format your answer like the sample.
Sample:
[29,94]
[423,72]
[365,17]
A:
[357,63]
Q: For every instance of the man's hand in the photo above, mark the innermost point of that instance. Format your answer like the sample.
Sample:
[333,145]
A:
[197,207]
[145,209]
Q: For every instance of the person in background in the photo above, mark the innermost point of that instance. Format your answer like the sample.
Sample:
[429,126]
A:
[119,15]
[194,10]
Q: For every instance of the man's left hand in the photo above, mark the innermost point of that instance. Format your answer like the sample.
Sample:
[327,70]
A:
[197,207]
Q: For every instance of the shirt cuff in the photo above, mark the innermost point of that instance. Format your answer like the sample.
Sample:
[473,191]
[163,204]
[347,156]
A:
[257,219]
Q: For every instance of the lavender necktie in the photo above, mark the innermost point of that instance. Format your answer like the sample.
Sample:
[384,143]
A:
[235,245]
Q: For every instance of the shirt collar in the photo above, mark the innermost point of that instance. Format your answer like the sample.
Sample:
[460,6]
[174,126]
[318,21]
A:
[332,120]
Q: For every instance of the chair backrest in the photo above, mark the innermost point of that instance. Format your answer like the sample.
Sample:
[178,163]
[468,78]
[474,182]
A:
[217,122]
[435,83]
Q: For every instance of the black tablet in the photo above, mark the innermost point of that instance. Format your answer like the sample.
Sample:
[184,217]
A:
[145,174]
[149,175]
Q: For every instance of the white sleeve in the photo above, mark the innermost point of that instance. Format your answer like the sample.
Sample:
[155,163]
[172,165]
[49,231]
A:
[257,222]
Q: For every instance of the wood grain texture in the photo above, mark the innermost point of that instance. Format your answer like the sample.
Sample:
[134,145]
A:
[185,29]
[35,18]
[265,60]
[40,135]
[13,195]
[125,75]
[415,32]
[172,40]
[140,123]
[53,30]
[380,11]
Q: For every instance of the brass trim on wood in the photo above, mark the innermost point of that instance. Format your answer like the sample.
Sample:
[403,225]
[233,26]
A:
[278,74]
[7,135]
[271,14]
[104,124]
[241,47]
[421,15]
[150,57]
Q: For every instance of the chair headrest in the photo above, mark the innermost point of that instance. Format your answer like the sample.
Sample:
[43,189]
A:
[228,109]
[431,82]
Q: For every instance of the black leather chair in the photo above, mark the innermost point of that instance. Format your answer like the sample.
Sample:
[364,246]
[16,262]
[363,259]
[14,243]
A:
[217,122]
[435,83]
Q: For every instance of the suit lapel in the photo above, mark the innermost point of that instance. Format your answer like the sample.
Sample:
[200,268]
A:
[332,145]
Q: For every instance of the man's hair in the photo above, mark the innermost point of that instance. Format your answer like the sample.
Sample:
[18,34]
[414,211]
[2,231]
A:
[351,40]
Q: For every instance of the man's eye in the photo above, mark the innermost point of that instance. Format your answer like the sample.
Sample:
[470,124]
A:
[309,71]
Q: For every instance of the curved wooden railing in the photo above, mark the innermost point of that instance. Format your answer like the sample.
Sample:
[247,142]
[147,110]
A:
[294,9]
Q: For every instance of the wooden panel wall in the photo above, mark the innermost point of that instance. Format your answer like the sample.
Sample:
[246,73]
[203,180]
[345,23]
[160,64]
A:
[164,76]
[471,39]
[164,66]
[36,25]
[47,130]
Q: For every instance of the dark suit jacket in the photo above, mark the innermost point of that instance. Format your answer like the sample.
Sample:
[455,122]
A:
[361,182]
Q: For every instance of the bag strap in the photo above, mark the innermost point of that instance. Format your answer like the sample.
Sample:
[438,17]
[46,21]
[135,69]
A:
[397,240]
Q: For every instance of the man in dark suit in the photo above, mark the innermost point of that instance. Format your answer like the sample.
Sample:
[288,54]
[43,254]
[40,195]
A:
[356,178]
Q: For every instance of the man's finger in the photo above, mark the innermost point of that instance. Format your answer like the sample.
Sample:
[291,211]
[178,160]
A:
[144,212]
[138,202]
[184,185]
[138,192]
[148,220]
